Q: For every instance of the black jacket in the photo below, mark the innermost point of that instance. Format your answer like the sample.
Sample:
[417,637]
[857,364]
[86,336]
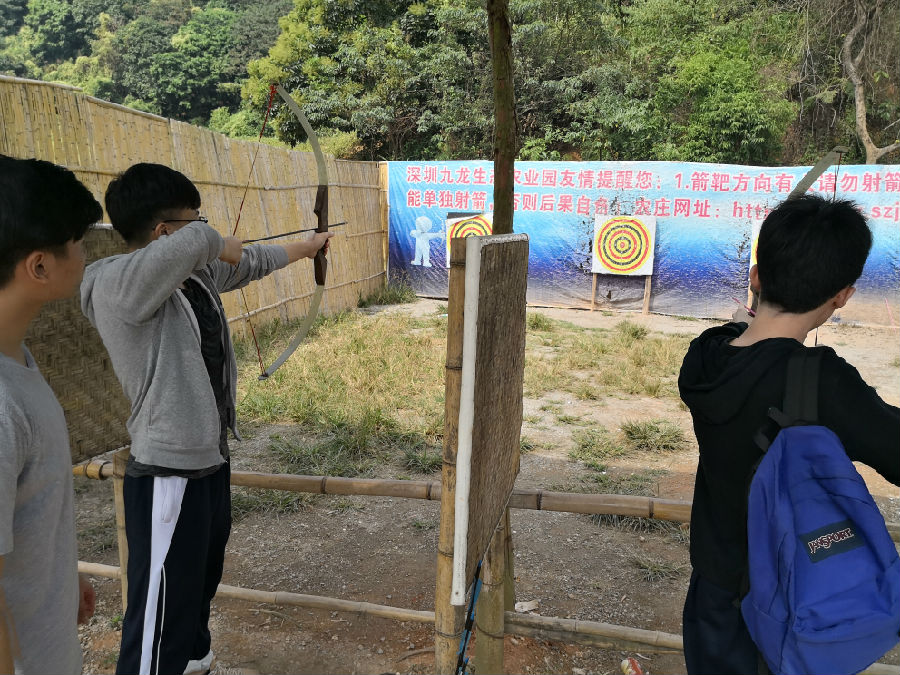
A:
[728,391]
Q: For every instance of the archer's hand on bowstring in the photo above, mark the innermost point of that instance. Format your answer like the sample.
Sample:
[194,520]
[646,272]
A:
[309,247]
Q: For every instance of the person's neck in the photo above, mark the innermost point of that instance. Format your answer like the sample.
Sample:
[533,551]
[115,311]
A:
[16,313]
[774,323]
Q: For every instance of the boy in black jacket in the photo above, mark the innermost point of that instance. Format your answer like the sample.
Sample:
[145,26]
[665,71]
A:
[811,251]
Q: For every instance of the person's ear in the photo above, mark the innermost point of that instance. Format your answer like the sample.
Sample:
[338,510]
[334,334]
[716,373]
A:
[160,230]
[754,278]
[843,296]
[35,266]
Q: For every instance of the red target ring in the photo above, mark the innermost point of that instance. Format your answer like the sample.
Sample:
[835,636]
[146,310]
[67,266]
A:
[622,244]
[471,227]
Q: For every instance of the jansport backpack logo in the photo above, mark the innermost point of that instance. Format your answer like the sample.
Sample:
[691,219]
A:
[824,574]
[831,540]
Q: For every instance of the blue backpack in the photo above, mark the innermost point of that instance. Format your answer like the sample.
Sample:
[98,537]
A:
[823,572]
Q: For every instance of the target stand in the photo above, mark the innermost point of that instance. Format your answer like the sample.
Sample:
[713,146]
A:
[623,246]
[483,421]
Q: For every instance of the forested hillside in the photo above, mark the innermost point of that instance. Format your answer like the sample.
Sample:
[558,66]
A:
[744,81]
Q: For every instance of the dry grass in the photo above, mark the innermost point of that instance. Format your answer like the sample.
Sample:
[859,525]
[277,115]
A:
[654,569]
[369,389]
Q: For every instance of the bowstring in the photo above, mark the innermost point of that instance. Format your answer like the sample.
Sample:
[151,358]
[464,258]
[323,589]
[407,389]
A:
[262,368]
[837,173]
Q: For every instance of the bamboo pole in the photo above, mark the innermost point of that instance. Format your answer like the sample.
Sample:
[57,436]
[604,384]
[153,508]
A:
[531,499]
[605,635]
[449,618]
[119,460]
[648,280]
[384,213]
[489,611]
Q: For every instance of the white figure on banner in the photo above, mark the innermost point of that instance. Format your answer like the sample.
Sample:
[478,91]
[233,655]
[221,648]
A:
[423,236]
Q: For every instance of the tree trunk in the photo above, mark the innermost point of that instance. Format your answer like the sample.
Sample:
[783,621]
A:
[851,67]
[505,124]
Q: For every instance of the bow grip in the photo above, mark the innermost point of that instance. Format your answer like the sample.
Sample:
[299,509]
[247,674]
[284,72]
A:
[320,262]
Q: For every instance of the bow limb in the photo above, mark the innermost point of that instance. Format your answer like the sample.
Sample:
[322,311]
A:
[820,167]
[320,262]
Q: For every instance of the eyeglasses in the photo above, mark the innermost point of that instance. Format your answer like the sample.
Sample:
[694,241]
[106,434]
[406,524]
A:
[202,219]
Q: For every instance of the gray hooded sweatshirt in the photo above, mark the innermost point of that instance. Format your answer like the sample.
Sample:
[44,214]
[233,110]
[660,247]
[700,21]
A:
[134,300]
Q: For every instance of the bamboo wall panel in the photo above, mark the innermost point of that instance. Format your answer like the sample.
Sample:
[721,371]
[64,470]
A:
[98,140]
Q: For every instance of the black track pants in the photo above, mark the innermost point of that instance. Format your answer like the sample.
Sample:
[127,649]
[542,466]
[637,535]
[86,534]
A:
[177,529]
[716,639]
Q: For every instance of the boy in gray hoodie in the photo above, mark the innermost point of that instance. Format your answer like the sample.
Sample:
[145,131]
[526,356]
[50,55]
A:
[158,311]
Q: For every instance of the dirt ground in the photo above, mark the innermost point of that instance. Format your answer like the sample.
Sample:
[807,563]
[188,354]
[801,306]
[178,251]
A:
[383,550]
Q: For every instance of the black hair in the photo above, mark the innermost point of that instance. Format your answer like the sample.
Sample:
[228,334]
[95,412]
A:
[42,207]
[140,197]
[809,249]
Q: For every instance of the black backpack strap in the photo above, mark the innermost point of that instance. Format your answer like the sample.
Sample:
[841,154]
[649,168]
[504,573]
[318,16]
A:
[801,397]
[801,391]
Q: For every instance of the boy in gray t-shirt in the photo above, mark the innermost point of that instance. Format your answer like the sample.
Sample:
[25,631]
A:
[44,213]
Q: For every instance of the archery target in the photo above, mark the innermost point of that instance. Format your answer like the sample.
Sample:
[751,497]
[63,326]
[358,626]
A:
[623,245]
[481,225]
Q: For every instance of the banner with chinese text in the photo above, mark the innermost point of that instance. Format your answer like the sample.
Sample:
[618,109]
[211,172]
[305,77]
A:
[704,215]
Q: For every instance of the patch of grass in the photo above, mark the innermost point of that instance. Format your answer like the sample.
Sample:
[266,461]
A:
[350,450]
[110,660]
[896,362]
[640,483]
[423,525]
[532,419]
[422,462]
[592,446]
[343,505]
[395,293]
[681,534]
[654,436]
[631,331]
[543,373]
[526,445]
[584,391]
[115,621]
[98,538]
[536,321]
[577,420]
[354,369]
[654,569]
[440,308]
[245,501]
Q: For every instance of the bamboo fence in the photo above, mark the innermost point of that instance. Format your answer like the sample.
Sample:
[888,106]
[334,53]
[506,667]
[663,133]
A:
[98,140]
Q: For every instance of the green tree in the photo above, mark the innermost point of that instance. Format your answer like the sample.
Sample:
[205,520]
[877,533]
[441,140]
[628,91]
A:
[12,13]
[188,74]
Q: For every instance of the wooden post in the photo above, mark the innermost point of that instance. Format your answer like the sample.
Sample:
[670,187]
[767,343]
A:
[647,283]
[119,461]
[489,617]
[509,585]
[593,289]
[505,122]
[448,619]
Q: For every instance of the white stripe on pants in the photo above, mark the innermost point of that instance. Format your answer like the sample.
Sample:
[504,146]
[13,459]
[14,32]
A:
[167,494]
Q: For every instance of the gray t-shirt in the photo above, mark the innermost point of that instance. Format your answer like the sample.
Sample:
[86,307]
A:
[37,522]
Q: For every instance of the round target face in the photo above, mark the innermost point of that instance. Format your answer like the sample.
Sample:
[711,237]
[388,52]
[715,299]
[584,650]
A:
[622,244]
[479,226]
